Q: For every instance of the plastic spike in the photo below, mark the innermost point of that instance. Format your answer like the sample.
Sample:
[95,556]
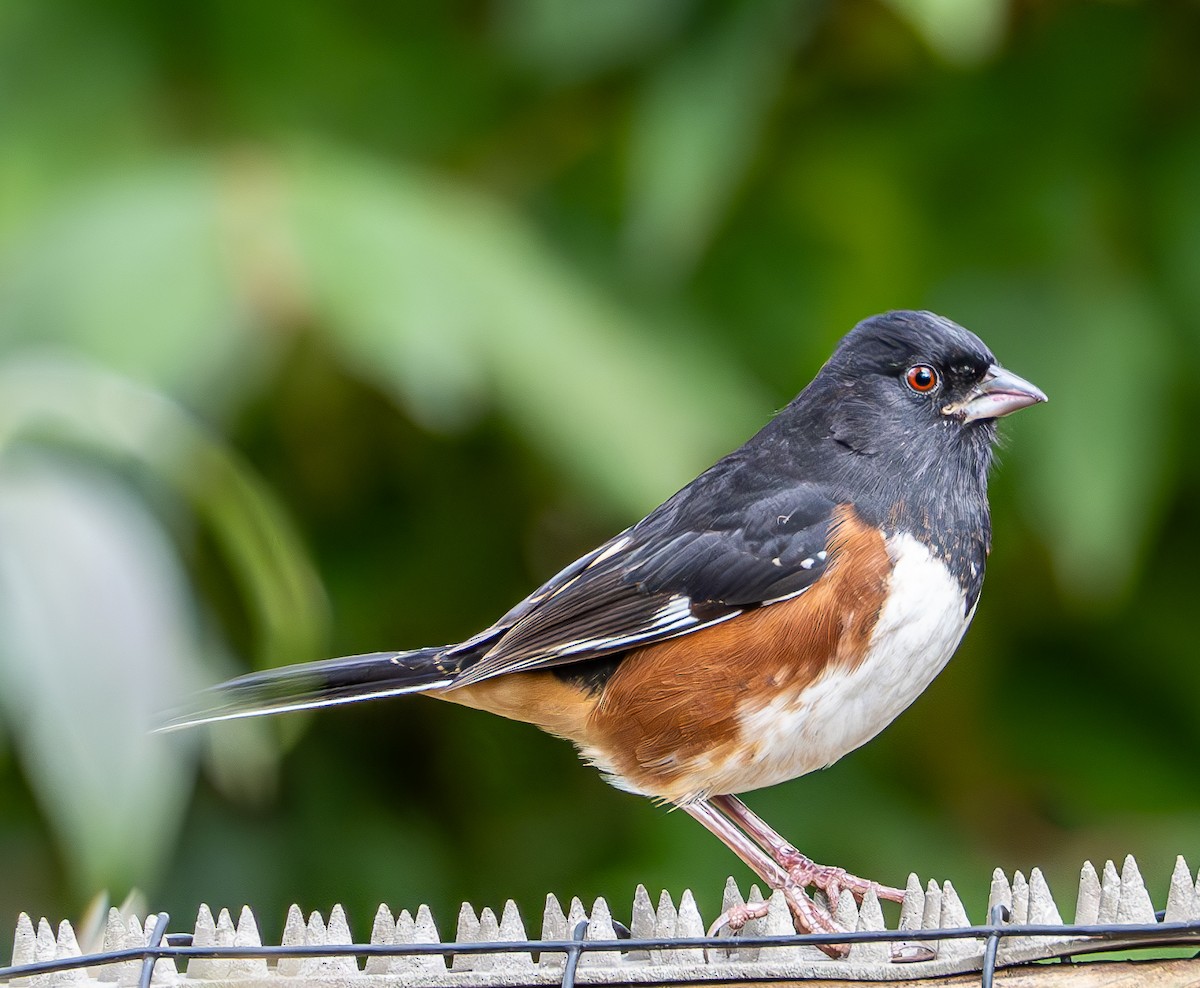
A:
[732,895]
[426,931]
[466,931]
[845,912]
[576,914]
[913,907]
[999,893]
[1110,894]
[641,923]
[225,929]
[383,933]
[25,947]
[489,932]
[1135,905]
[1020,891]
[204,935]
[404,931]
[954,916]
[778,922]
[246,934]
[339,934]
[512,930]
[383,926]
[1087,903]
[870,918]
[554,927]
[316,934]
[65,945]
[731,899]
[600,927]
[753,927]
[114,939]
[294,933]
[129,973]
[223,967]
[1181,897]
[1042,908]
[24,941]
[665,922]
[44,944]
[931,918]
[689,924]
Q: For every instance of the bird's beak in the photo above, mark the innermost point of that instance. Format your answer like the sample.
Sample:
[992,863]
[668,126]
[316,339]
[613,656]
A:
[1000,393]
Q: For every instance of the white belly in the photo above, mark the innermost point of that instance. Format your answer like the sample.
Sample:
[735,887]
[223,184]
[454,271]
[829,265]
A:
[921,624]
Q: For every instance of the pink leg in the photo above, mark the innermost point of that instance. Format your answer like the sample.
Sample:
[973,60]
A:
[806,914]
[801,869]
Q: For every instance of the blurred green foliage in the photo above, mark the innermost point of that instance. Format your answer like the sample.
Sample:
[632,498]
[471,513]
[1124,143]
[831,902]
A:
[337,327]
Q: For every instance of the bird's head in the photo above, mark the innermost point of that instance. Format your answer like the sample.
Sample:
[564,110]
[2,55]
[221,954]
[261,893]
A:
[902,377]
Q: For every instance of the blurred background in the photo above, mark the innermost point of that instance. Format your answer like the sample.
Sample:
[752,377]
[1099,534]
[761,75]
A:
[337,327]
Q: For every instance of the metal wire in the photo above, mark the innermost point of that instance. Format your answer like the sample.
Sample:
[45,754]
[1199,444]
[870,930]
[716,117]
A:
[999,914]
[1100,937]
[572,965]
[156,936]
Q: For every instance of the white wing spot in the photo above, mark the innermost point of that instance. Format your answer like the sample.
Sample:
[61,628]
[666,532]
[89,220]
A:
[807,563]
[821,555]
[612,550]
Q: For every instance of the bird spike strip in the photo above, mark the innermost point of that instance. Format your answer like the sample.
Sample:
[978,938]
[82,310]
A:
[663,943]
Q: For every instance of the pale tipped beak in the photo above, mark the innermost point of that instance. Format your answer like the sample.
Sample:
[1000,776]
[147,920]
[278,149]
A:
[1000,393]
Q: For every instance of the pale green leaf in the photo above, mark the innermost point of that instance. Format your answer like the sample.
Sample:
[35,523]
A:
[97,637]
[695,131]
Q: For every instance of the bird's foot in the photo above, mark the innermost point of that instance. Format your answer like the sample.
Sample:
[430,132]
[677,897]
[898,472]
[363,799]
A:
[807,873]
[735,918]
[807,916]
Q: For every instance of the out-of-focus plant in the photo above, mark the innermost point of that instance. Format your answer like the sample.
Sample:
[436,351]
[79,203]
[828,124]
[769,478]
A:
[100,631]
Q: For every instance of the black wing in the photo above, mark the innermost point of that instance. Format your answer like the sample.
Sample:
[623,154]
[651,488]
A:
[685,566]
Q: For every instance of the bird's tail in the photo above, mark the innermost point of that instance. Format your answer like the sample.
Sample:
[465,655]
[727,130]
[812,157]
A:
[351,679]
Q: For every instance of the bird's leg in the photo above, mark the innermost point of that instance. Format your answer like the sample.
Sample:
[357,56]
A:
[802,870]
[806,914]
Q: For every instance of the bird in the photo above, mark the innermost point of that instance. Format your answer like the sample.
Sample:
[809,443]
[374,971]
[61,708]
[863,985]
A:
[773,615]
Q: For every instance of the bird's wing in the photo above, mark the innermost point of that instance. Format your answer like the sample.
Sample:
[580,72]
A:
[682,568]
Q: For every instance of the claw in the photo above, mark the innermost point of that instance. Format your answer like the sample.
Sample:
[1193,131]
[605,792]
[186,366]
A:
[737,917]
[811,918]
[911,953]
[734,920]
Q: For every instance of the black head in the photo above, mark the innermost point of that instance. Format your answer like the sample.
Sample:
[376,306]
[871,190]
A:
[903,377]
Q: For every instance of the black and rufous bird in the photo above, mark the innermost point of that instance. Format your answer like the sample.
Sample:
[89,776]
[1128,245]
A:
[773,615]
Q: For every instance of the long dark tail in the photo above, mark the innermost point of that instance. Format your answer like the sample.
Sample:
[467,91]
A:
[351,679]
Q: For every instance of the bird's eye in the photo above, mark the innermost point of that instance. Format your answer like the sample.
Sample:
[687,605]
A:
[921,378]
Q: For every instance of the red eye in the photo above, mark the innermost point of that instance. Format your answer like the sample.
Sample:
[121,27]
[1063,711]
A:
[922,378]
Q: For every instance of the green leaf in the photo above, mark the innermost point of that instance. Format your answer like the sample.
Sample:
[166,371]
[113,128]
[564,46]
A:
[71,401]
[961,31]
[97,637]
[695,132]
[449,301]
[132,274]
[576,40]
